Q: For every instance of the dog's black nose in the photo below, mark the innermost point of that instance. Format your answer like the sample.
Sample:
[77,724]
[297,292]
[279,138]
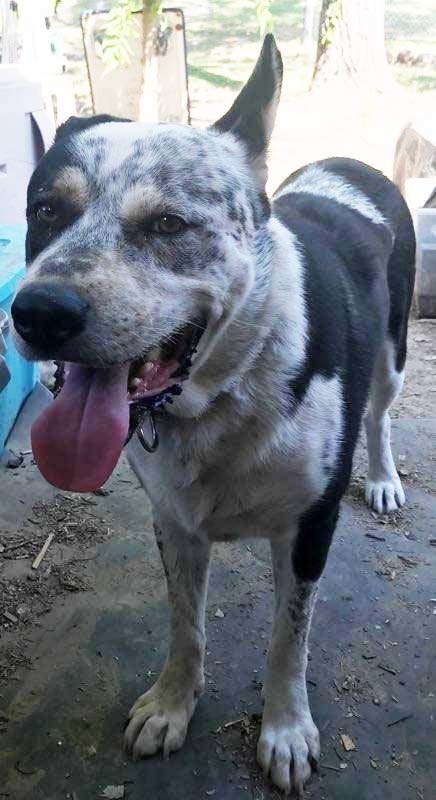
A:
[48,314]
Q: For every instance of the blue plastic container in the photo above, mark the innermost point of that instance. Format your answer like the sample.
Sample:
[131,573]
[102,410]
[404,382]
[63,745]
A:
[24,374]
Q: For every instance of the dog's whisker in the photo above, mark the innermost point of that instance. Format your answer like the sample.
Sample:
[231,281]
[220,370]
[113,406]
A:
[251,325]
[184,321]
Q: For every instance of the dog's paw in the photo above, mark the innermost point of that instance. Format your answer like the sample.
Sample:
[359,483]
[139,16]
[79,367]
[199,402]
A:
[159,720]
[384,496]
[288,754]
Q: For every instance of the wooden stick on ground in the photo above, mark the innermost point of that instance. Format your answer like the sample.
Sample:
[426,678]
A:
[43,551]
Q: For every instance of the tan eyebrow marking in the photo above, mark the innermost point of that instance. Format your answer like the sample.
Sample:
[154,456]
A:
[141,201]
[72,184]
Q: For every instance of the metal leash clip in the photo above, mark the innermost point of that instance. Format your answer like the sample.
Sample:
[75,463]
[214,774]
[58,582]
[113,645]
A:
[149,406]
[152,446]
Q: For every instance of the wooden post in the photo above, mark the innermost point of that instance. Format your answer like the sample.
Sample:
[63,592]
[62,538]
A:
[9,16]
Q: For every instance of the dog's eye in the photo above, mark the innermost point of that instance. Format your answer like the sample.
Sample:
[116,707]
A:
[169,223]
[45,213]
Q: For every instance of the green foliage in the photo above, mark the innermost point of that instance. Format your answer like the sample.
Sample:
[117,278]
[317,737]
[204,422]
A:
[333,15]
[214,78]
[265,19]
[120,28]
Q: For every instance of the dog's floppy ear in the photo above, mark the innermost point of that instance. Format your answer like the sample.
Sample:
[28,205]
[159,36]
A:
[77,124]
[251,117]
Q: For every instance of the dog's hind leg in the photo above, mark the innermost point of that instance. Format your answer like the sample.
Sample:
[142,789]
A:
[383,490]
[159,719]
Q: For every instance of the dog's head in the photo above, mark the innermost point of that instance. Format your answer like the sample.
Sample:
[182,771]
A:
[140,238]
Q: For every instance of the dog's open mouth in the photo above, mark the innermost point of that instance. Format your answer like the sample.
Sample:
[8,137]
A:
[163,366]
[78,439]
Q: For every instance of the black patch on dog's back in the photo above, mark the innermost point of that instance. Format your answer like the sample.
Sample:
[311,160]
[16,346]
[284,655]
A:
[343,256]
[358,280]
[401,268]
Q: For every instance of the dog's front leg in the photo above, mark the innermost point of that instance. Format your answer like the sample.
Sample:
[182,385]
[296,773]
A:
[289,742]
[160,717]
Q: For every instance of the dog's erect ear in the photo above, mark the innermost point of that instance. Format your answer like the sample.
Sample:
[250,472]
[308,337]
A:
[251,117]
[77,124]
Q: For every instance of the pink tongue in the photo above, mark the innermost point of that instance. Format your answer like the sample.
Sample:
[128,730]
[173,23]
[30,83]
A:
[78,439]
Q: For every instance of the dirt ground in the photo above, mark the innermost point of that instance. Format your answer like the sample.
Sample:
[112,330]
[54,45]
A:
[418,398]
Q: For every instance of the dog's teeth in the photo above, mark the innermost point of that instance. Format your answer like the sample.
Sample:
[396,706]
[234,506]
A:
[146,370]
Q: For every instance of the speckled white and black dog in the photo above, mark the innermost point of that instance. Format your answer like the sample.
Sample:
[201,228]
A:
[143,236]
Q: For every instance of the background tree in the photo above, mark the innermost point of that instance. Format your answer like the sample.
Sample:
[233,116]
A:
[120,27]
[351,43]
[310,19]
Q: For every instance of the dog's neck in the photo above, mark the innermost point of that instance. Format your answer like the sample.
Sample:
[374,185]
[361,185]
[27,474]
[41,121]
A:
[263,343]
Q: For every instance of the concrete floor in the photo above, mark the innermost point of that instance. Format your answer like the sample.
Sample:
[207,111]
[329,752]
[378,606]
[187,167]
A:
[94,651]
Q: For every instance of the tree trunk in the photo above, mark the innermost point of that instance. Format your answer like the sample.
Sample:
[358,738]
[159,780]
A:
[148,102]
[351,44]
[309,31]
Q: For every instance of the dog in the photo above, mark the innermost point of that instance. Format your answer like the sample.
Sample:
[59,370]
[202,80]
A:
[158,271]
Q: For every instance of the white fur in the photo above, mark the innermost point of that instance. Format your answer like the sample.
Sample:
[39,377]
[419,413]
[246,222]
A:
[202,476]
[118,136]
[318,181]
[383,490]
[231,346]
[243,477]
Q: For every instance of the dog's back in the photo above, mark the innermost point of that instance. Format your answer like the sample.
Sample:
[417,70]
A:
[357,241]
[357,235]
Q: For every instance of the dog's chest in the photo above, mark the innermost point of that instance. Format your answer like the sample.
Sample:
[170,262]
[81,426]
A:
[228,477]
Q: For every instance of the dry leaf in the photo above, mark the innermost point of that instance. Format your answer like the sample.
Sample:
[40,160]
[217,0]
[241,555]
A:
[347,742]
